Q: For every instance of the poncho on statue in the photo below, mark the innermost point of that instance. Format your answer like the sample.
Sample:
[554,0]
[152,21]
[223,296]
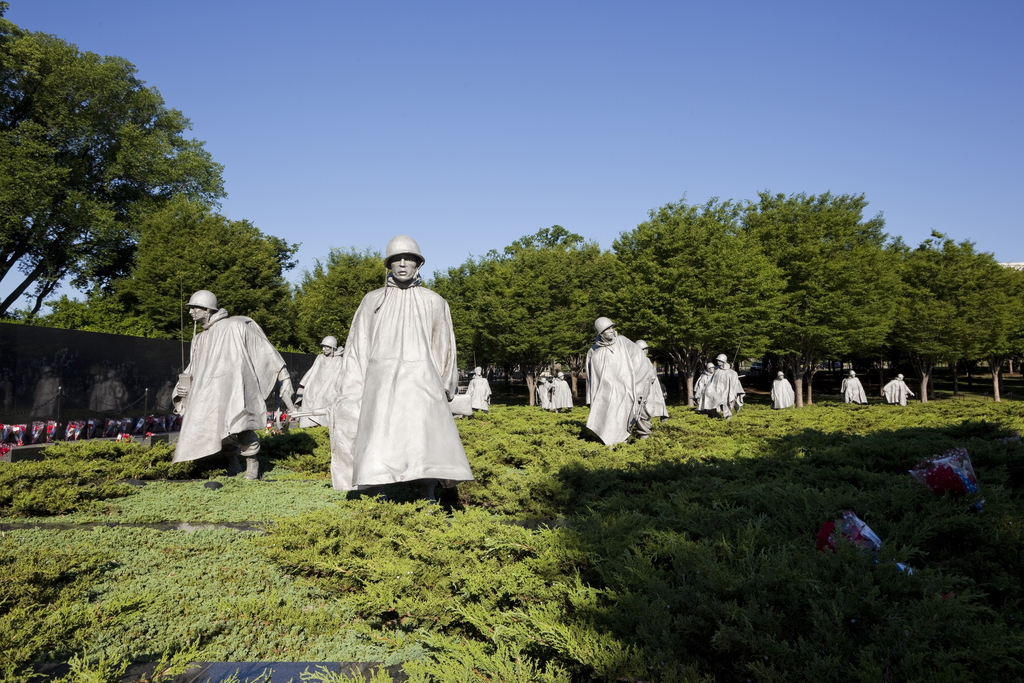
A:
[618,380]
[480,391]
[561,394]
[392,422]
[320,387]
[656,406]
[723,391]
[783,395]
[234,369]
[897,391]
[702,382]
[853,390]
[544,393]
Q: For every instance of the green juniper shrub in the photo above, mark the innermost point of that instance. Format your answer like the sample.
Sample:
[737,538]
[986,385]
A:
[686,557]
[305,451]
[75,475]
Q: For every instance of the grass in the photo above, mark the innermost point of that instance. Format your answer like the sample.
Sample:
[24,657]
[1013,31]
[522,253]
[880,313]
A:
[686,557]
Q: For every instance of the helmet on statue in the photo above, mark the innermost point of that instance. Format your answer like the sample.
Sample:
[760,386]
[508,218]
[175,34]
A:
[203,299]
[330,341]
[642,344]
[402,245]
[602,324]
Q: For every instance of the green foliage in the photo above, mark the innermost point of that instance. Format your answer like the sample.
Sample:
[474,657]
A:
[185,247]
[957,303]
[686,557]
[305,451]
[841,282]
[41,603]
[533,303]
[100,312]
[170,591]
[85,148]
[692,554]
[74,476]
[693,285]
[327,297]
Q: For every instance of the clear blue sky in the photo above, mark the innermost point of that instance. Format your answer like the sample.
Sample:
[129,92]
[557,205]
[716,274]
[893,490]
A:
[468,125]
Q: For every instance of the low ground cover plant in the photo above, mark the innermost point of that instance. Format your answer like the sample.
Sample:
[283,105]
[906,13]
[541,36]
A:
[689,556]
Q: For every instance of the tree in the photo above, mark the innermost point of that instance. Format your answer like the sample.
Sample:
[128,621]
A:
[100,312]
[1006,299]
[957,303]
[531,304]
[85,150]
[693,284]
[184,247]
[841,282]
[328,296]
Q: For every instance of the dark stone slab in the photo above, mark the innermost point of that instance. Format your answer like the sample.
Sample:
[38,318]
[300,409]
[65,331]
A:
[149,441]
[213,485]
[215,672]
[33,452]
[279,672]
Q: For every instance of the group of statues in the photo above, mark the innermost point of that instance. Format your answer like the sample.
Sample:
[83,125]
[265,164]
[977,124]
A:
[388,396]
[622,386]
[895,391]
[718,389]
[388,414]
[555,395]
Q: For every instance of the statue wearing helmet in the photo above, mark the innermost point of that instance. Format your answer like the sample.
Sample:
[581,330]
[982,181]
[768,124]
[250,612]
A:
[783,395]
[722,392]
[853,390]
[618,384]
[480,391]
[222,393]
[897,391]
[392,421]
[561,394]
[656,406]
[320,386]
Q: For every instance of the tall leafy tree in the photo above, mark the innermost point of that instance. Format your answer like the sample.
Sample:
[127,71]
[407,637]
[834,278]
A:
[693,284]
[328,295]
[185,247]
[1006,298]
[956,303]
[531,304]
[85,149]
[841,282]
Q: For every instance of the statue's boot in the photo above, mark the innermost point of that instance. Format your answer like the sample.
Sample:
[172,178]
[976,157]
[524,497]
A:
[427,487]
[252,468]
[234,467]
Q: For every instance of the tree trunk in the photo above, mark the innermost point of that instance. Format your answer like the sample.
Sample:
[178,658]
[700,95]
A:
[20,289]
[810,382]
[996,363]
[925,376]
[798,382]
[689,389]
[530,386]
[954,368]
